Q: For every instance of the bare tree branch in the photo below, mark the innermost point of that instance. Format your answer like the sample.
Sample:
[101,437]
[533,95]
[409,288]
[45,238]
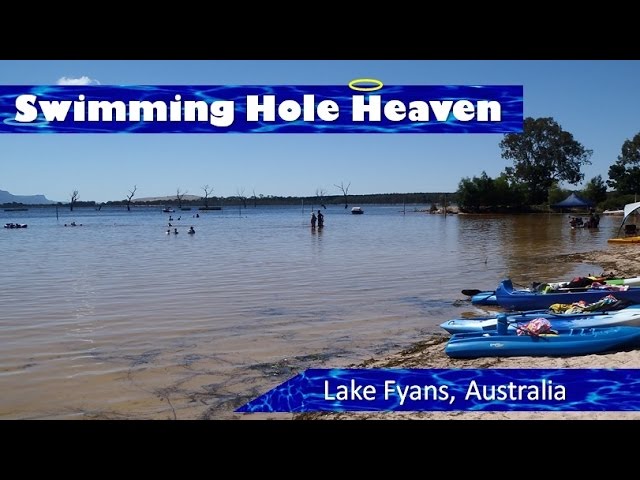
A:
[345,192]
[130,196]
[320,193]
[74,199]
[207,191]
[241,196]
[179,196]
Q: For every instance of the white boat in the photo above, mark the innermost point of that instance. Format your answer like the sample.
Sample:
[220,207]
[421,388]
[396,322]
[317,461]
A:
[613,212]
[357,210]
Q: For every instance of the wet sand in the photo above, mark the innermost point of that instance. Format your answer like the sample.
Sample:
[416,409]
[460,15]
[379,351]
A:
[623,261]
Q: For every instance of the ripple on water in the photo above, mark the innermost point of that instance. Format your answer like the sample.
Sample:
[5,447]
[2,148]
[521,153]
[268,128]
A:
[119,320]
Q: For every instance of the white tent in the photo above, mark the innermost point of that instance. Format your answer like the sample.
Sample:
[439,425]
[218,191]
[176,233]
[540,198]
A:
[629,209]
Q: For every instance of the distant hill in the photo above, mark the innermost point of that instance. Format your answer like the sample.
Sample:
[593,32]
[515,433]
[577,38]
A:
[168,198]
[6,197]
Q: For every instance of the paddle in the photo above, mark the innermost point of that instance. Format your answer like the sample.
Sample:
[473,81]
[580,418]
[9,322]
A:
[471,293]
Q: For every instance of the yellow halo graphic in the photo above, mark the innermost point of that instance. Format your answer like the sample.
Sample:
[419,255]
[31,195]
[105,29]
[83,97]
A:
[377,86]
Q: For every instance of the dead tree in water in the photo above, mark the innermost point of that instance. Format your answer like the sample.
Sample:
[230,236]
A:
[130,196]
[74,199]
[320,193]
[179,196]
[241,196]
[345,192]
[207,192]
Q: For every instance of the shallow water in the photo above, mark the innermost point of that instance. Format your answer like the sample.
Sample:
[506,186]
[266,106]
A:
[117,319]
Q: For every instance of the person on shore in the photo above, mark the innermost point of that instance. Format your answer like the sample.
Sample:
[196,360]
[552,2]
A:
[313,220]
[320,219]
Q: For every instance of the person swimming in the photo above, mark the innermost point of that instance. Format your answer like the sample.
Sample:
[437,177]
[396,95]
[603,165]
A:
[191,230]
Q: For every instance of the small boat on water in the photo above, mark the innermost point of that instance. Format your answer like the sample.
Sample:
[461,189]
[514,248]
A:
[168,210]
[15,225]
[357,210]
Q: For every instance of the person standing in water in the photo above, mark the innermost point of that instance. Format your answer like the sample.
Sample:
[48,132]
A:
[313,220]
[320,219]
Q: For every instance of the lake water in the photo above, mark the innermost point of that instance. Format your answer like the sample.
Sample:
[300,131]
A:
[116,319]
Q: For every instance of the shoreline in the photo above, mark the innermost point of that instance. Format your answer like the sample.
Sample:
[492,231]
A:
[429,353]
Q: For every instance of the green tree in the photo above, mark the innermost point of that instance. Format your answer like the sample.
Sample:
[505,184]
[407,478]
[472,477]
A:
[595,190]
[471,192]
[624,175]
[557,194]
[543,154]
[484,191]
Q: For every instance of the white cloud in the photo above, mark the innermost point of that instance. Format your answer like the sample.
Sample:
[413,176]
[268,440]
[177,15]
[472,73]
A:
[84,80]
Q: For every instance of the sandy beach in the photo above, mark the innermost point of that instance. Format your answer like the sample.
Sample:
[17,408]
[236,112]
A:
[623,261]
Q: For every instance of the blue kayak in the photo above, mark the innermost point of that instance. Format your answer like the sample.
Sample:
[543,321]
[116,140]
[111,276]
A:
[479,297]
[629,316]
[577,341]
[513,299]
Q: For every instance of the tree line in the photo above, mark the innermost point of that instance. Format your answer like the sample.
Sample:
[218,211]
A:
[320,199]
[543,156]
[317,200]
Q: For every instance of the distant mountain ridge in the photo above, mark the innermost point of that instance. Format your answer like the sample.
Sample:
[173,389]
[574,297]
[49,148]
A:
[6,197]
[167,198]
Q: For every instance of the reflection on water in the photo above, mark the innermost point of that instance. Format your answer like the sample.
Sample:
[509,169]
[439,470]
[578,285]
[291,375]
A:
[117,319]
[521,246]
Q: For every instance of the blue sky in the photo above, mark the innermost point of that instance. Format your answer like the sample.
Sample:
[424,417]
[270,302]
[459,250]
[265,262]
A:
[598,101]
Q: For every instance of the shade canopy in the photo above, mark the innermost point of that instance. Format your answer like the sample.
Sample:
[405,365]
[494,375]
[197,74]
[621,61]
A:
[573,201]
[629,209]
